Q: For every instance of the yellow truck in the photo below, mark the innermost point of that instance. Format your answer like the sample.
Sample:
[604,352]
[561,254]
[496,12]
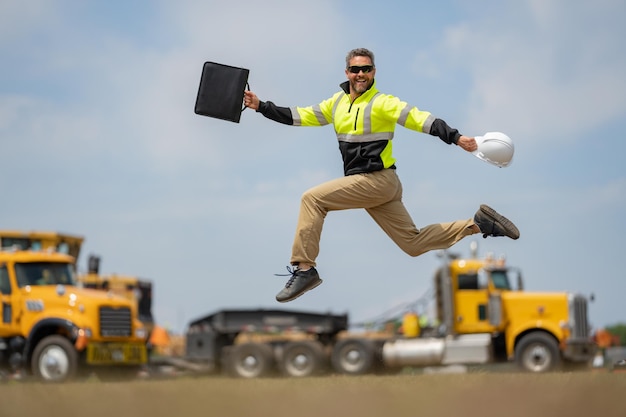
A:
[540,331]
[135,289]
[53,329]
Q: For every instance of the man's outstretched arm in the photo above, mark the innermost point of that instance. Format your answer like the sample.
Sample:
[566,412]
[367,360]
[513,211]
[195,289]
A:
[268,109]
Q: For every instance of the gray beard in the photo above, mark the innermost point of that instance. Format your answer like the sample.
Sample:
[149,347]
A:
[356,90]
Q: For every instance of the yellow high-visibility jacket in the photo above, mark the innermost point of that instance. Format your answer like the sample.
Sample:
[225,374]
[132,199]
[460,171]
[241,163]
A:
[364,127]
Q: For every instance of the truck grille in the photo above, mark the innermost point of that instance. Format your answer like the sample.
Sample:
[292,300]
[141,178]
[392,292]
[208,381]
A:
[578,316]
[115,322]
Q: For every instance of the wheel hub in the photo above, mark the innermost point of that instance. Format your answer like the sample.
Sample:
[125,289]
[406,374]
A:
[250,362]
[353,357]
[54,363]
[538,358]
[300,361]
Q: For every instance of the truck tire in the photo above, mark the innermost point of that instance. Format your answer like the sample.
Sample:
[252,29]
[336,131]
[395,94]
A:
[538,352]
[249,360]
[354,356]
[54,359]
[302,359]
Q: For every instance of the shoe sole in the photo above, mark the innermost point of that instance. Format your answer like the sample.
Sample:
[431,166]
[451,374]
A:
[509,227]
[314,285]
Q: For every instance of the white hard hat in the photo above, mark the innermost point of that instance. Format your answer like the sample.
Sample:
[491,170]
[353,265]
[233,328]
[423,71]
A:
[495,148]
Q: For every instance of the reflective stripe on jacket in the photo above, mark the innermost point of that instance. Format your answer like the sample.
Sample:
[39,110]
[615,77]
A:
[364,127]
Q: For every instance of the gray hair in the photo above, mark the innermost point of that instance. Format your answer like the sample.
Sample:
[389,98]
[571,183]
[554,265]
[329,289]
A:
[359,52]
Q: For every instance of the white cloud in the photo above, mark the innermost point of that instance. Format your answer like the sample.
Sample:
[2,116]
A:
[18,21]
[550,70]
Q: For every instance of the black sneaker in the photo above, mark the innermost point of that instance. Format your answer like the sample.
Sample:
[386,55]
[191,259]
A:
[491,223]
[299,283]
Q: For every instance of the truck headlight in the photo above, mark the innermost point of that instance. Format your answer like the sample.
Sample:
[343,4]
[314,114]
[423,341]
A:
[141,333]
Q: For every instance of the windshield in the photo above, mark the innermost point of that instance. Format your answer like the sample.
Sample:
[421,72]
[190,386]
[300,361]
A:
[44,273]
[500,279]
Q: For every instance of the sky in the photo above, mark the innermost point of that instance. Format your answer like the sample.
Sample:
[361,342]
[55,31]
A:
[99,138]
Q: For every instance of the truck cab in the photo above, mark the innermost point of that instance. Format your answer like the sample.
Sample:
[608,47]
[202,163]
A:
[135,289]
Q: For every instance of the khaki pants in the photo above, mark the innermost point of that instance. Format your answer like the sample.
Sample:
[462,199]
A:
[380,193]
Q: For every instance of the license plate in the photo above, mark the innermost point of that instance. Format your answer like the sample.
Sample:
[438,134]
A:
[116,353]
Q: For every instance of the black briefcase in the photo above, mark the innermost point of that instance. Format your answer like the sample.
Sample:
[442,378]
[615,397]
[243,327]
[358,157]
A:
[221,91]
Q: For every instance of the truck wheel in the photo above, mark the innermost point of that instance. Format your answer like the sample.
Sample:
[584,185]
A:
[538,352]
[301,359]
[249,360]
[54,359]
[354,356]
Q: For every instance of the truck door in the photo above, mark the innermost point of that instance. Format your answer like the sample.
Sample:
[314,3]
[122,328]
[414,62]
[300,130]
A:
[8,305]
[471,299]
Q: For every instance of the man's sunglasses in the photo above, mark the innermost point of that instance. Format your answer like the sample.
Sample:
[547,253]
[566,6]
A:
[355,69]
